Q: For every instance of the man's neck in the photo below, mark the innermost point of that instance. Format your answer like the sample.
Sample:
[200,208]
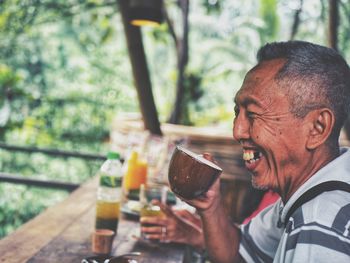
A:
[318,159]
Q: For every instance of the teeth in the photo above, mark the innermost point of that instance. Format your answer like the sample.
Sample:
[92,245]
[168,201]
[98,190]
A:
[248,155]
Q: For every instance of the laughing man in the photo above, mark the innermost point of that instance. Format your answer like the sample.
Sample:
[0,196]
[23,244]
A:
[288,116]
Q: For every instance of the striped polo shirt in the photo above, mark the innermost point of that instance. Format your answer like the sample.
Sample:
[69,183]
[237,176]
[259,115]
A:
[318,231]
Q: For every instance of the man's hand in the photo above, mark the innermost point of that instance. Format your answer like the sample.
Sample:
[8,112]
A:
[209,201]
[221,237]
[178,226]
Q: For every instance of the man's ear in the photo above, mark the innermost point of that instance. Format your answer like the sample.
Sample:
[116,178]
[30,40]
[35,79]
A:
[322,123]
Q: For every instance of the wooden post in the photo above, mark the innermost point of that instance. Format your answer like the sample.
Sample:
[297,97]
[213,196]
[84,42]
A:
[333,24]
[140,71]
[182,60]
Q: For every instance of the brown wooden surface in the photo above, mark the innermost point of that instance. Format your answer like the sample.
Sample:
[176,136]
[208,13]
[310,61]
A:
[62,234]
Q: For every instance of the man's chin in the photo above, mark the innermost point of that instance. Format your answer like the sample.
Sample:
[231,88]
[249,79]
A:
[258,185]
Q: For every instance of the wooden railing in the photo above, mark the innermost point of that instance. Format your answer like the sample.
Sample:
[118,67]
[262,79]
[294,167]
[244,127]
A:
[18,179]
[54,152]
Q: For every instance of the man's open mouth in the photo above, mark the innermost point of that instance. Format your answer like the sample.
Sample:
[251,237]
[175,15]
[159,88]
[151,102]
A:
[251,156]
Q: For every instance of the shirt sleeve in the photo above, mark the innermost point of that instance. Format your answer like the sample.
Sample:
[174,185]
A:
[261,236]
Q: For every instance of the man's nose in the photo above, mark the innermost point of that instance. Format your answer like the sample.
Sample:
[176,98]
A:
[240,128]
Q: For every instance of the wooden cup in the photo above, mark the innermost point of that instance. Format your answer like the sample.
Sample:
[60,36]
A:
[191,175]
[102,240]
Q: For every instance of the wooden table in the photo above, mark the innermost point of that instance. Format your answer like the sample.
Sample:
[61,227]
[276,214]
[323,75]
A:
[63,234]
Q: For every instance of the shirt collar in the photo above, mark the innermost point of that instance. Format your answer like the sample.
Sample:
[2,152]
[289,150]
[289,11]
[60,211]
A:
[338,169]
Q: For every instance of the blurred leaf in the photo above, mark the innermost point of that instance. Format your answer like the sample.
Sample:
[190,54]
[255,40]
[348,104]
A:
[268,11]
[5,112]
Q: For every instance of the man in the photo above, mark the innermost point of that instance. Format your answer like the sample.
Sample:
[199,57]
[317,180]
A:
[289,113]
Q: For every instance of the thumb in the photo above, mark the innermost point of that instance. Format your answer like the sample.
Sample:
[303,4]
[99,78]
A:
[166,209]
[209,157]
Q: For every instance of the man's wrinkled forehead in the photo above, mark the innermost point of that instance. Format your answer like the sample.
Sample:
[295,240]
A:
[261,77]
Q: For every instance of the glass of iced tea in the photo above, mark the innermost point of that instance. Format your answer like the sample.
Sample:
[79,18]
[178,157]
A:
[149,209]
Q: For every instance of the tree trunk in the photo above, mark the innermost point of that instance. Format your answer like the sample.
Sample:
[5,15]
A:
[182,59]
[140,71]
[296,21]
[333,43]
[333,24]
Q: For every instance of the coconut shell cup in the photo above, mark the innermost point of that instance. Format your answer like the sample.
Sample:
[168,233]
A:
[191,175]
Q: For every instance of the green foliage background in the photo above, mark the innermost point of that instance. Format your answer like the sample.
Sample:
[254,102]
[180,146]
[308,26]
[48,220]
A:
[65,75]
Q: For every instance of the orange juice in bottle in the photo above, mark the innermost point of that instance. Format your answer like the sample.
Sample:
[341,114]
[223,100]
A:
[141,171]
[130,171]
[136,172]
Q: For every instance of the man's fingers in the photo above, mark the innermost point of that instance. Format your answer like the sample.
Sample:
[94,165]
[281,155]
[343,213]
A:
[154,236]
[153,220]
[152,229]
[156,233]
[209,157]
[183,213]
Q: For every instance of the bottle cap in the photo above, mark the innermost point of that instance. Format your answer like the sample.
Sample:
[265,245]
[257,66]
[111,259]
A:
[113,155]
[133,157]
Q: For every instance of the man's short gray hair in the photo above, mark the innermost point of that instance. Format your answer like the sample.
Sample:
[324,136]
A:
[313,76]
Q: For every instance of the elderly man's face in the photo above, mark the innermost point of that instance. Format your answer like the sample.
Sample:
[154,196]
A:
[273,140]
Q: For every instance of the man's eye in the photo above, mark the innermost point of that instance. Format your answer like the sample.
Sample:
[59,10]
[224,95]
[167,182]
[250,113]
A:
[251,114]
